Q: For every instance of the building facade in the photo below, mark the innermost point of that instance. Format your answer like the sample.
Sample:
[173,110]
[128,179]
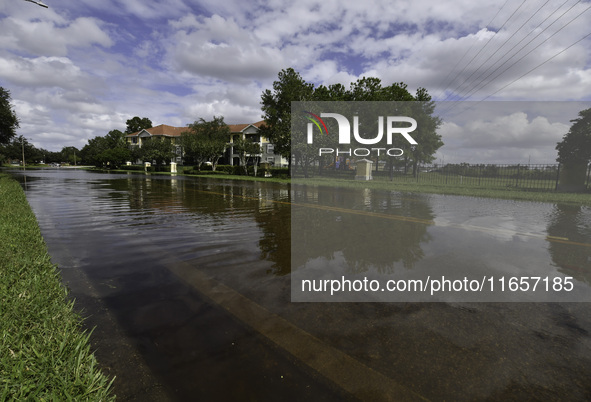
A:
[249,132]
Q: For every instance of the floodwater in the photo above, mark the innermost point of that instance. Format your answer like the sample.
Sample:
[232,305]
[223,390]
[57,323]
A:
[187,283]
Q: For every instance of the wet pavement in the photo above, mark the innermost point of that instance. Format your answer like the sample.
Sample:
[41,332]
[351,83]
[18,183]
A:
[188,281]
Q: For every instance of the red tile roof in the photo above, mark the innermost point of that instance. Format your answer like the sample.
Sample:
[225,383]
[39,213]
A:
[163,129]
[237,128]
[170,131]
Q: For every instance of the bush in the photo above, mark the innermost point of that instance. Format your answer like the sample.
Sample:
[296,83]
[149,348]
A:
[227,169]
[279,172]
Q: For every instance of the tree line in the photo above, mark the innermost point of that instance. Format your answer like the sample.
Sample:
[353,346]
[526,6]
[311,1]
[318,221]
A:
[290,87]
[206,141]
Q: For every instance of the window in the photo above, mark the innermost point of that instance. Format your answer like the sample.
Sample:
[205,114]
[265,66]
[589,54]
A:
[270,148]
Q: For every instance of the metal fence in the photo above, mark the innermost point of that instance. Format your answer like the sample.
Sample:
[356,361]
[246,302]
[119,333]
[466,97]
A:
[530,176]
[542,177]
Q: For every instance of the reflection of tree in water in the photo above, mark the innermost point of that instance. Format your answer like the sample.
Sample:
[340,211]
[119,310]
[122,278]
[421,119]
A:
[365,241]
[572,222]
[275,223]
[216,204]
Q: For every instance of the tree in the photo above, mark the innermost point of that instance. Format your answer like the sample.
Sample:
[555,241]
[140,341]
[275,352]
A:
[110,150]
[114,157]
[157,149]
[575,147]
[370,89]
[8,119]
[248,151]
[574,153]
[194,150]
[70,155]
[290,86]
[206,141]
[136,124]
[116,139]
[276,106]
[428,141]
[90,153]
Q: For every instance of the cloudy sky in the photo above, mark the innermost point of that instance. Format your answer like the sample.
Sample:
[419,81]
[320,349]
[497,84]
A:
[82,68]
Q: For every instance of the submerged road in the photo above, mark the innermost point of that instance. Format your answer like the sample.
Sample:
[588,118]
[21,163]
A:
[188,284]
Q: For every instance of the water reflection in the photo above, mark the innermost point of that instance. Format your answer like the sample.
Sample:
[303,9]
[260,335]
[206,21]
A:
[572,222]
[211,205]
[367,228]
[275,224]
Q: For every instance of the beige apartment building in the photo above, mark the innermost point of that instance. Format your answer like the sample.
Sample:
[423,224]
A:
[249,131]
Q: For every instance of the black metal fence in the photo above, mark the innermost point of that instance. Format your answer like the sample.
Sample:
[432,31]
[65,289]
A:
[530,176]
[543,177]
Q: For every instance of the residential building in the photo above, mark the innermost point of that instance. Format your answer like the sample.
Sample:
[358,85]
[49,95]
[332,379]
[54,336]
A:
[174,133]
[249,131]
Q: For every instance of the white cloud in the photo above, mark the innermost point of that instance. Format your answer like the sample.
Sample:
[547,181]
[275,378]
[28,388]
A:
[43,72]
[217,47]
[47,38]
[494,135]
[86,68]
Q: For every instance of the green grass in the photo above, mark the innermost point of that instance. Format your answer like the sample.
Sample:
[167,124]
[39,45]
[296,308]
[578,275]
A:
[237,177]
[44,353]
[429,183]
[511,193]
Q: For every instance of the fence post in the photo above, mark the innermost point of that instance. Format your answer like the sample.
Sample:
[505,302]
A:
[557,176]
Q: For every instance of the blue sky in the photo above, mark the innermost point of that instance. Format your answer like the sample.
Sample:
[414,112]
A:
[80,69]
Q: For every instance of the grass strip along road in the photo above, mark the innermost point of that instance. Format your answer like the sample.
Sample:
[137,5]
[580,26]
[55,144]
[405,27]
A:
[44,353]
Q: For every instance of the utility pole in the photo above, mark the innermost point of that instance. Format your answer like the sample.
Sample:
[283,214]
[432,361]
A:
[23,149]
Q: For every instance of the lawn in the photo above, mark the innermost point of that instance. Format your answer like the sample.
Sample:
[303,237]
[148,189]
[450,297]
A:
[44,353]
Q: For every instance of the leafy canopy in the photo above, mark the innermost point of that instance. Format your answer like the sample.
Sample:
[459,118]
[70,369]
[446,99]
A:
[136,124]
[575,147]
[8,119]
[290,87]
[206,141]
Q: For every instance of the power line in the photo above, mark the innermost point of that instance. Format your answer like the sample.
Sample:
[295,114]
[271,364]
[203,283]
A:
[486,44]
[517,44]
[539,65]
[478,86]
[445,111]
[467,51]
[526,54]
[500,47]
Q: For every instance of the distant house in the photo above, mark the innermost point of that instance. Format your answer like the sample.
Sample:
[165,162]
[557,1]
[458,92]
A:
[249,131]
[164,131]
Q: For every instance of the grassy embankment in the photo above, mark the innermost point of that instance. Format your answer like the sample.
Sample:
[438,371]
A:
[467,188]
[44,353]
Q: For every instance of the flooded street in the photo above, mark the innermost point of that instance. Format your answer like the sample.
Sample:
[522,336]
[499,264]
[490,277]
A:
[188,283]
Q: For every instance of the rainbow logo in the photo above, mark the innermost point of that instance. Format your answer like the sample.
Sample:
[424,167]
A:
[318,119]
